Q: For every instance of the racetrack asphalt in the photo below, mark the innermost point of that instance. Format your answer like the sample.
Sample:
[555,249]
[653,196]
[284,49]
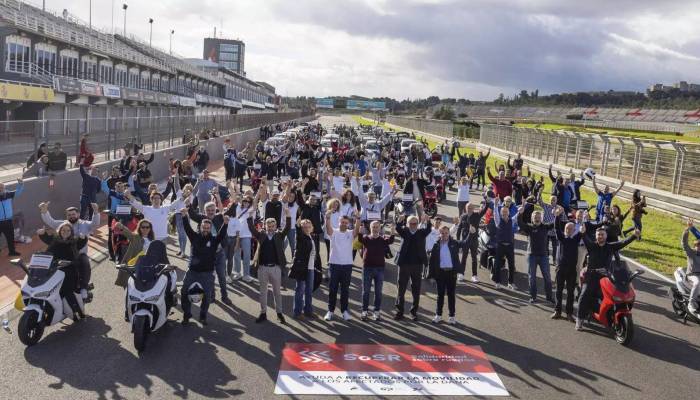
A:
[535,357]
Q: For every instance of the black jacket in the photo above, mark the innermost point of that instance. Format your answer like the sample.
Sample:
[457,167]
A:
[538,234]
[454,247]
[203,248]
[467,221]
[300,265]
[601,256]
[412,251]
[408,186]
[567,255]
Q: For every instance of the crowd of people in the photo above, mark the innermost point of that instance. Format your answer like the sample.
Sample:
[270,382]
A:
[280,202]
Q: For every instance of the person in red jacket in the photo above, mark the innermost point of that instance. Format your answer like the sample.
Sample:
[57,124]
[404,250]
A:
[502,187]
[85,156]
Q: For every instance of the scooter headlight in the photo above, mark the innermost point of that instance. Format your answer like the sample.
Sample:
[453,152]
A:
[134,298]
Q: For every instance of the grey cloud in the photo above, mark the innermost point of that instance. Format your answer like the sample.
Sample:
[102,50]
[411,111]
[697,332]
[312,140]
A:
[549,45]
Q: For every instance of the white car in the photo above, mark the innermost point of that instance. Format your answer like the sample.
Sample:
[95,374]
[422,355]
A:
[407,143]
[373,147]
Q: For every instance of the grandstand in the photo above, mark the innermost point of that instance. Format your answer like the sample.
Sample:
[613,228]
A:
[623,118]
[53,67]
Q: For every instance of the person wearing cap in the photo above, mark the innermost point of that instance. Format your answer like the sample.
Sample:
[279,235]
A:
[271,204]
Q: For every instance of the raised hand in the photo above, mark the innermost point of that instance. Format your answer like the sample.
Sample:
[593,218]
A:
[44,207]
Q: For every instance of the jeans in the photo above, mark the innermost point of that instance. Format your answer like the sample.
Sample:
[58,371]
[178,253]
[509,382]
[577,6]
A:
[228,245]
[85,207]
[340,277]
[292,240]
[369,275]
[446,284]
[181,235]
[303,294]
[245,257]
[220,274]
[532,263]
[206,279]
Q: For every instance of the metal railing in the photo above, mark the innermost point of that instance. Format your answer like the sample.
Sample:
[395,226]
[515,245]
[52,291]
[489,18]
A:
[436,127]
[107,136]
[667,166]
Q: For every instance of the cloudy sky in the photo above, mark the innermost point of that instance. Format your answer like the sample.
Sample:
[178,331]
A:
[474,49]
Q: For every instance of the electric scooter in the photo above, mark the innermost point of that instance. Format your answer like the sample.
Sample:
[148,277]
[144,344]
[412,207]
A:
[41,296]
[613,307]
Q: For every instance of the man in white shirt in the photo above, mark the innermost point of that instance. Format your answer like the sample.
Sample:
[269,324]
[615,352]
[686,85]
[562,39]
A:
[156,213]
[340,264]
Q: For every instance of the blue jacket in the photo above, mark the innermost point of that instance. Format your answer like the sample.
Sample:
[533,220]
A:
[6,203]
[115,199]
[91,185]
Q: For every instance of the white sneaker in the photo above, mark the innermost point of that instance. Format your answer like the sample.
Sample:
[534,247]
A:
[377,316]
[579,324]
[475,279]
[460,277]
[229,279]
[452,321]
[329,316]
[437,319]
[346,315]
[512,286]
[498,286]
[692,307]
[363,315]
[247,279]
[236,276]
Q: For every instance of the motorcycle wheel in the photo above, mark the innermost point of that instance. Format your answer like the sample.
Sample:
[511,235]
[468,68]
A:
[678,308]
[624,330]
[141,329]
[29,328]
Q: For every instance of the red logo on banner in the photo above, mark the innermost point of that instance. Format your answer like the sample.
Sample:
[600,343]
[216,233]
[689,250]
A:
[384,358]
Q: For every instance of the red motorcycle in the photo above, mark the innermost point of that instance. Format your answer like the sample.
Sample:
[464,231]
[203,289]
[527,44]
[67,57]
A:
[430,201]
[613,307]
[440,188]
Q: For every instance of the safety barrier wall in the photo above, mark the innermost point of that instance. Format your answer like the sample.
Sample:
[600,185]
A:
[107,136]
[63,189]
[436,127]
[667,172]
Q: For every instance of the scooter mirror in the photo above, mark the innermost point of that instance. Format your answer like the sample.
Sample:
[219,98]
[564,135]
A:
[640,272]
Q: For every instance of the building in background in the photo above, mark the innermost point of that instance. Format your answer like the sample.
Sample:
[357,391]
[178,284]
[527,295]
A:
[228,53]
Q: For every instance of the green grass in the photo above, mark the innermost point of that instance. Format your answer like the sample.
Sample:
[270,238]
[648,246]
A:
[660,248]
[629,133]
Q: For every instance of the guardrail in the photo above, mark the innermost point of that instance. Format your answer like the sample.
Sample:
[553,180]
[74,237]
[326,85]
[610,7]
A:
[434,126]
[666,171]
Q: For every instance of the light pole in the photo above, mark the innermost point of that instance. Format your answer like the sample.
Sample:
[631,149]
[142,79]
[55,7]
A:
[172,32]
[90,18]
[124,7]
[150,36]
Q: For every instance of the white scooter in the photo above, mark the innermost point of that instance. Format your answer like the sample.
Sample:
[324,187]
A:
[150,293]
[680,296]
[43,304]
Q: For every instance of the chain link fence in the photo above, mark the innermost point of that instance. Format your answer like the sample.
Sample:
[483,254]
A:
[107,136]
[667,166]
